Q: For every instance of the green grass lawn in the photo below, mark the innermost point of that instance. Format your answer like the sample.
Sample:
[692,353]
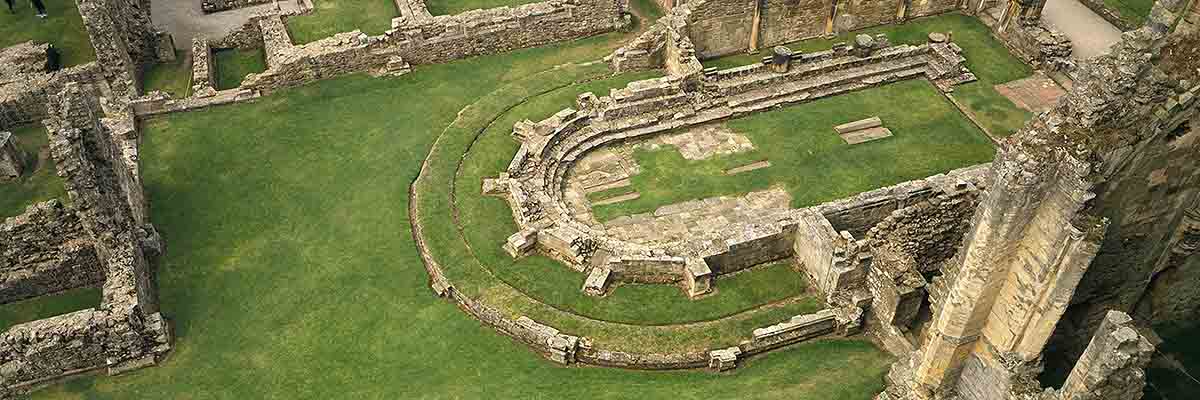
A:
[373,17]
[1135,12]
[649,10]
[487,222]
[174,78]
[986,57]
[234,64]
[291,272]
[48,306]
[451,7]
[63,28]
[810,160]
[34,186]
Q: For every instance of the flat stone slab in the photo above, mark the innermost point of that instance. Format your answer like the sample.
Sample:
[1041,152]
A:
[748,167]
[873,122]
[866,135]
[1034,94]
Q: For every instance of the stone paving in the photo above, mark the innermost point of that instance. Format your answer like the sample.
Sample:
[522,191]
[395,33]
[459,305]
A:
[1035,94]
[1090,34]
[185,21]
[697,218]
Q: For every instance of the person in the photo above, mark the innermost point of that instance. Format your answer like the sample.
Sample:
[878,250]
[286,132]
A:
[41,8]
[53,59]
[10,5]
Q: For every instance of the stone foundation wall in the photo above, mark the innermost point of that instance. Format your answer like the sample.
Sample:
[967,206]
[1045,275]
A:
[720,27]
[786,21]
[754,248]
[124,39]
[23,97]
[45,251]
[92,153]
[420,39]
[860,213]
[41,350]
[203,74]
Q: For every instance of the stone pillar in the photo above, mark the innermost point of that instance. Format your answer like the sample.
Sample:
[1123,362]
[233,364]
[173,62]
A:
[1113,366]
[1020,265]
[781,59]
[12,159]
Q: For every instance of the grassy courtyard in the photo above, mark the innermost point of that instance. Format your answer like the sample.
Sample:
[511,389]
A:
[986,57]
[173,78]
[1135,12]
[234,64]
[373,17]
[39,181]
[48,306]
[810,160]
[63,27]
[487,222]
[291,272]
[451,7]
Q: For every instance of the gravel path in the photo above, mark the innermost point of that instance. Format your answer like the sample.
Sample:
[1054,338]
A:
[1091,34]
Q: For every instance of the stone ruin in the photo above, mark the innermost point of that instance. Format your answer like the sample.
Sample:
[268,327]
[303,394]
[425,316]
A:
[102,239]
[124,40]
[967,277]
[534,182]
[416,37]
[12,158]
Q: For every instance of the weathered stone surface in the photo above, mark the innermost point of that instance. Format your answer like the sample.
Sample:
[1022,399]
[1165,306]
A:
[45,251]
[1112,367]
[12,158]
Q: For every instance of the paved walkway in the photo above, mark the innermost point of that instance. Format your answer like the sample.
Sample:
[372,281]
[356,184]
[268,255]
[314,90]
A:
[184,19]
[1090,34]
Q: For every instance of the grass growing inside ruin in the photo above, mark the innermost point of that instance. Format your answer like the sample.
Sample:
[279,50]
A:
[234,64]
[173,78]
[291,272]
[63,27]
[1135,12]
[487,222]
[373,17]
[48,306]
[986,57]
[39,182]
[810,160]
[451,7]
[649,10]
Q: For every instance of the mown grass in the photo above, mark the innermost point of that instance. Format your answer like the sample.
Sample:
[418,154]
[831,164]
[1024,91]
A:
[1135,12]
[48,306]
[487,222]
[373,17]
[173,78]
[451,7]
[63,27]
[810,160]
[39,182]
[234,64]
[986,57]
[291,272]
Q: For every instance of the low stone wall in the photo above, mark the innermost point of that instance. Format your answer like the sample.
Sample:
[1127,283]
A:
[688,97]
[860,213]
[41,350]
[94,155]
[419,38]
[45,251]
[203,73]
[23,95]
[212,6]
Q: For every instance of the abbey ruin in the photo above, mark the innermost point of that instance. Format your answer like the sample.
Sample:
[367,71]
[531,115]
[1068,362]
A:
[731,183]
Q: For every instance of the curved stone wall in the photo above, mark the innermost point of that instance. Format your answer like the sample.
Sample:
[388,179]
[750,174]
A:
[535,180]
